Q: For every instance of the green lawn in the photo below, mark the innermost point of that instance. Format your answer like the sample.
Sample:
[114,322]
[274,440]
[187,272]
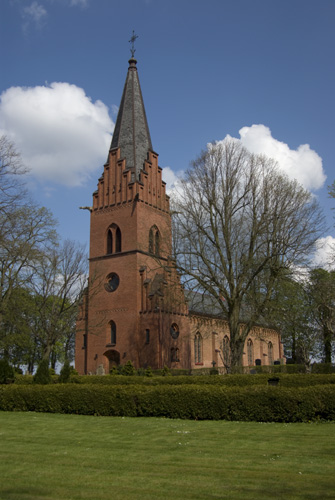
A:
[50,456]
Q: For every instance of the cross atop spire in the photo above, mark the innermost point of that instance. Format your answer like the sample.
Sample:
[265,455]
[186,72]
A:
[132,41]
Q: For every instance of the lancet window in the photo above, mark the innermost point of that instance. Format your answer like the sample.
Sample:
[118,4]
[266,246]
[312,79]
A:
[270,353]
[250,352]
[112,327]
[154,240]
[114,239]
[174,354]
[198,348]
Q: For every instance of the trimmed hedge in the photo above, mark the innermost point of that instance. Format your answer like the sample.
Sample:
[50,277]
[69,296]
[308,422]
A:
[285,380]
[262,404]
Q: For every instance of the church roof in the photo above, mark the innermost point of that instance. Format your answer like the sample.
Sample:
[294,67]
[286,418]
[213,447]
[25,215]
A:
[131,133]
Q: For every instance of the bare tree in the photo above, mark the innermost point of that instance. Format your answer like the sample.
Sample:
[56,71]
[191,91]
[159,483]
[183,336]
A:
[58,283]
[11,170]
[239,225]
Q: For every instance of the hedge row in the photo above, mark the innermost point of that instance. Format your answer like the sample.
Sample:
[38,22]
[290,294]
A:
[284,380]
[262,404]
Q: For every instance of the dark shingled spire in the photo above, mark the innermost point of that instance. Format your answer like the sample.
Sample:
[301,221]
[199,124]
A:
[131,133]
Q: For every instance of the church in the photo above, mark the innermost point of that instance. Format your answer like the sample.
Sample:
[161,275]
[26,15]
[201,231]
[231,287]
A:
[135,308]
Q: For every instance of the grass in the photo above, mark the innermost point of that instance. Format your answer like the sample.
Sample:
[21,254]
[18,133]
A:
[50,456]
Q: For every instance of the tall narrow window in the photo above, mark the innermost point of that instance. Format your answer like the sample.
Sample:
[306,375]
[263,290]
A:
[109,241]
[174,354]
[270,353]
[154,241]
[157,243]
[250,351]
[117,240]
[151,241]
[147,336]
[113,240]
[198,348]
[112,332]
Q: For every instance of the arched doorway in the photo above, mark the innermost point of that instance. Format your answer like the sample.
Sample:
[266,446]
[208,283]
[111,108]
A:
[113,358]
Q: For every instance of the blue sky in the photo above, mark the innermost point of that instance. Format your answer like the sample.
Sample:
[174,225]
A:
[259,70]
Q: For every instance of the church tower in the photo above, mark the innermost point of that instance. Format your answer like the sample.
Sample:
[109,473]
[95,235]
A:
[134,307]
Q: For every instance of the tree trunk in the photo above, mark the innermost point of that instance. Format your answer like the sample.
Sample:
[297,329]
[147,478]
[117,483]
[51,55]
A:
[327,344]
[47,351]
[236,345]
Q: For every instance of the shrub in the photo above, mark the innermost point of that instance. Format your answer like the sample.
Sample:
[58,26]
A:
[202,402]
[148,372]
[43,375]
[323,368]
[7,374]
[285,380]
[128,369]
[166,371]
[65,373]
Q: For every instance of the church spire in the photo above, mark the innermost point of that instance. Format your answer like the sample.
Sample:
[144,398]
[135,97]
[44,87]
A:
[131,133]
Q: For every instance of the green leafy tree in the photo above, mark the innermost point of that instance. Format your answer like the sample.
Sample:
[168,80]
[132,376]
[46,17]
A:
[6,372]
[42,375]
[290,312]
[321,294]
[65,372]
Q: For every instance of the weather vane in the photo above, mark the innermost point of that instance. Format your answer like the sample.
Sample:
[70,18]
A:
[132,41]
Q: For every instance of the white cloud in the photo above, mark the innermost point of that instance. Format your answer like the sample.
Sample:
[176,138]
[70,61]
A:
[81,3]
[62,135]
[302,164]
[33,14]
[171,178]
[324,253]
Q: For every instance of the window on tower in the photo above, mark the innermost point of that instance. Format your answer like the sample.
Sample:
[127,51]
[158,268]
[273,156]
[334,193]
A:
[117,240]
[112,332]
[154,240]
[109,241]
[114,240]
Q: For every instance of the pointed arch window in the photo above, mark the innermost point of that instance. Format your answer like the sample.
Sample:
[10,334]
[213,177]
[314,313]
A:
[174,354]
[270,353]
[198,348]
[114,240]
[154,240]
[112,327]
[109,241]
[117,240]
[226,350]
[250,352]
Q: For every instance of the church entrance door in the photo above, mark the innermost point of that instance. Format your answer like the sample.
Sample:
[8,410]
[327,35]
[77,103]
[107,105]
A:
[113,358]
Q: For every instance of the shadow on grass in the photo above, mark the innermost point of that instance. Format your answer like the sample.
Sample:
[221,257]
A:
[28,493]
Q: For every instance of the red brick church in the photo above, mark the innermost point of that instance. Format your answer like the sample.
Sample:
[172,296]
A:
[134,307]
